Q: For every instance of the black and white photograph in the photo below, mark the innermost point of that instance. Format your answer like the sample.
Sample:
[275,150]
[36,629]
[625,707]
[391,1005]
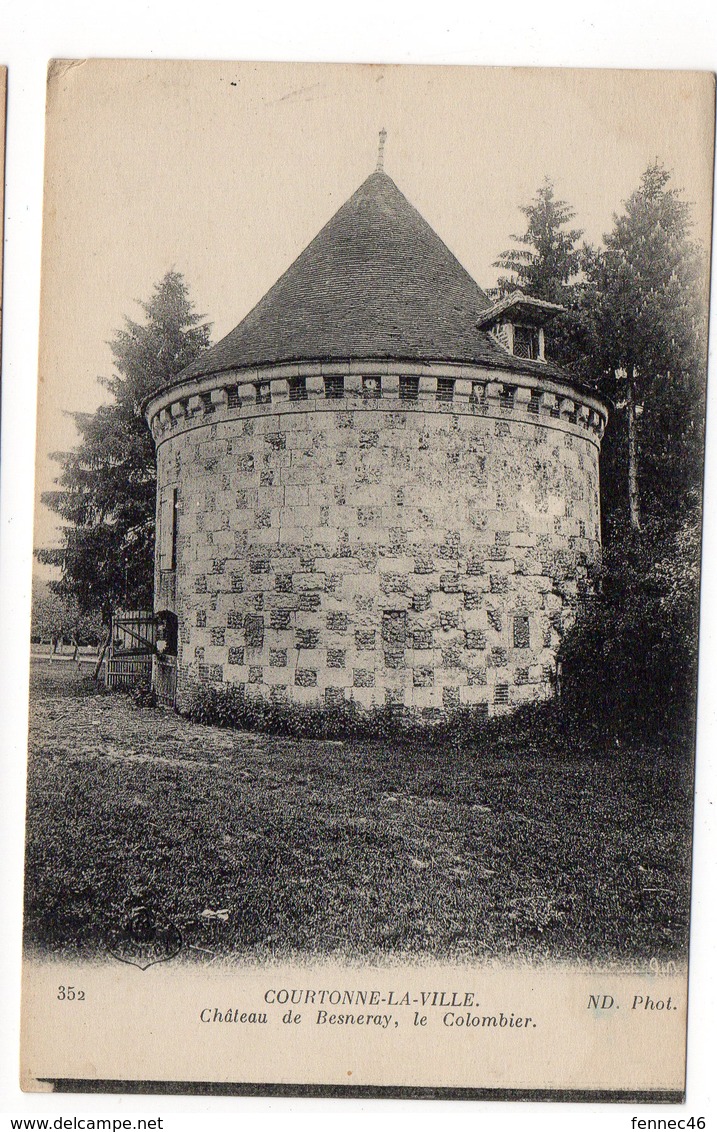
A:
[366,579]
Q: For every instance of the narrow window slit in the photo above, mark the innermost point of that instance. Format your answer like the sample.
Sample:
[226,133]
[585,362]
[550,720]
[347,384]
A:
[507,397]
[334,387]
[445,389]
[297,389]
[407,387]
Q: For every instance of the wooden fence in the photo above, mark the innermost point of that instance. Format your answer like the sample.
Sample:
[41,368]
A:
[129,672]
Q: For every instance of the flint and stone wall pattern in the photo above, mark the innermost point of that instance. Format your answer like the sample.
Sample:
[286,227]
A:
[379,550]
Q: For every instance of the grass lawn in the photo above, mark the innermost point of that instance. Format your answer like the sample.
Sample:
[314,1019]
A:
[356,849]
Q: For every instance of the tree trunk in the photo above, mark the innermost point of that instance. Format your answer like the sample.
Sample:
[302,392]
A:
[101,657]
[633,483]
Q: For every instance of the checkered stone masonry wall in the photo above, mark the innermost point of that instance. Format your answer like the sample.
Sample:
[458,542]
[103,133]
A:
[383,551]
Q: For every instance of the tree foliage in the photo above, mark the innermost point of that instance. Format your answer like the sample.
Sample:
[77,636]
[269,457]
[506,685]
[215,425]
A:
[635,327]
[547,258]
[105,493]
[647,326]
[546,265]
[649,302]
[56,618]
[631,659]
[635,653]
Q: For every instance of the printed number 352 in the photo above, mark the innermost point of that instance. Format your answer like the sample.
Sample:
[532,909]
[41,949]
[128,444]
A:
[70,994]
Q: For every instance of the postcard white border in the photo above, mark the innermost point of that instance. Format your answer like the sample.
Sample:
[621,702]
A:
[549,34]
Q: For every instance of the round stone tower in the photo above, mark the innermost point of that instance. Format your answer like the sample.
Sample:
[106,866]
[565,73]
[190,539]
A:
[376,488]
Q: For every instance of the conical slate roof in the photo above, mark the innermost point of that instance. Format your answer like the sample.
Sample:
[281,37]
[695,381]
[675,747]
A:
[375,282]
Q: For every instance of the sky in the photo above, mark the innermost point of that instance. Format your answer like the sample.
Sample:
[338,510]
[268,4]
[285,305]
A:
[225,172]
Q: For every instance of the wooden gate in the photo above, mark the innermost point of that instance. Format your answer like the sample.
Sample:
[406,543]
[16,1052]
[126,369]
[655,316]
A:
[132,644]
[165,680]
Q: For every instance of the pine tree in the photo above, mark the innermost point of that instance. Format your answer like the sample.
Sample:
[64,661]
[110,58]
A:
[106,490]
[649,334]
[545,266]
[633,658]
[548,258]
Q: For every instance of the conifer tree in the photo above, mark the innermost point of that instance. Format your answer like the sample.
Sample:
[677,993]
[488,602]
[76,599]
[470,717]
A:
[547,259]
[649,340]
[545,266]
[105,493]
[633,658]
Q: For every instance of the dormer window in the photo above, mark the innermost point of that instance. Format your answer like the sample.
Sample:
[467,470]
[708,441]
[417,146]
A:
[526,342]
[516,323]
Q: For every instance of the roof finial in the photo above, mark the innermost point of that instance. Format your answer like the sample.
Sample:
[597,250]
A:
[381,144]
